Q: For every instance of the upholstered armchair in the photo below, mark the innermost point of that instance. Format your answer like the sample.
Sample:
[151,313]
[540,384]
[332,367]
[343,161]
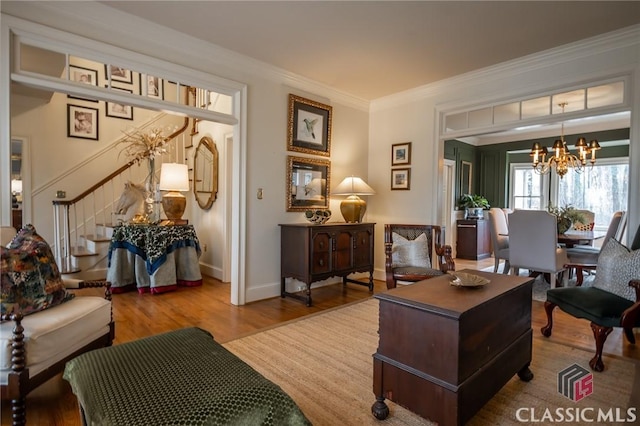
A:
[499,238]
[43,324]
[415,253]
[612,301]
[533,243]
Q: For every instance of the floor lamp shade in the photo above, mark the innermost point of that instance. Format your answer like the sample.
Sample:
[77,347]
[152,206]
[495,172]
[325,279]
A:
[353,207]
[174,178]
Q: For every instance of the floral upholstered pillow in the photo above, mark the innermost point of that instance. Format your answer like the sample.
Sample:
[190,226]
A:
[406,252]
[30,279]
[616,267]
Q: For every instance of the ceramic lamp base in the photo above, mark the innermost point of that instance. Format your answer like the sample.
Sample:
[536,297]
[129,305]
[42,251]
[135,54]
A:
[174,204]
[353,208]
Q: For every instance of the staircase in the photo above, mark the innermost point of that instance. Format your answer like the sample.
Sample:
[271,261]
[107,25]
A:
[83,226]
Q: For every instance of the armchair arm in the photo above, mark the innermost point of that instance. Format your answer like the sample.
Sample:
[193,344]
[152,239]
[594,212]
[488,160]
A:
[579,267]
[388,262]
[445,259]
[630,315]
[75,284]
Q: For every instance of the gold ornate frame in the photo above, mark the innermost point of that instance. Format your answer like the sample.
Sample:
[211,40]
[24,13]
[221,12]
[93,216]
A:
[309,126]
[308,183]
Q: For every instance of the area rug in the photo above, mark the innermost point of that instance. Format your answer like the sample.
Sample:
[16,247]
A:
[324,361]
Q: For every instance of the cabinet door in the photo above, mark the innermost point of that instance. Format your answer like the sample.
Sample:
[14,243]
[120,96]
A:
[321,254]
[362,248]
[342,250]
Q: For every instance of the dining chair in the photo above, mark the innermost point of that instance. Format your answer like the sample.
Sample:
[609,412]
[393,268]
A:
[533,243]
[588,223]
[499,238]
[586,257]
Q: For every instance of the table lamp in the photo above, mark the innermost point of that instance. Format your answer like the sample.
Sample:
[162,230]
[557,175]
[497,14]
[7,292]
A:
[174,178]
[353,207]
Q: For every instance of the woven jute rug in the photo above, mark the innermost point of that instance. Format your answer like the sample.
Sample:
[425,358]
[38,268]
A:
[324,362]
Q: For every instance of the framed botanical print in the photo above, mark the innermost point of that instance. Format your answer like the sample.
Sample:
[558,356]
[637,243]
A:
[307,183]
[82,122]
[400,179]
[309,126]
[401,154]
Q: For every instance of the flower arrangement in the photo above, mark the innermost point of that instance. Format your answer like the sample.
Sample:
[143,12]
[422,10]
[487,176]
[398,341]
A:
[473,201]
[566,216]
[142,146]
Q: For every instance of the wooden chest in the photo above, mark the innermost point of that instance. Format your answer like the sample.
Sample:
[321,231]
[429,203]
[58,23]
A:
[445,351]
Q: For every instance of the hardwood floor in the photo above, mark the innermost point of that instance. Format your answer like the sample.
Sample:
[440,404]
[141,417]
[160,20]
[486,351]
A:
[208,307]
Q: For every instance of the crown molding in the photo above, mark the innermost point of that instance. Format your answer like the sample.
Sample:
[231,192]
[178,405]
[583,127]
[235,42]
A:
[629,36]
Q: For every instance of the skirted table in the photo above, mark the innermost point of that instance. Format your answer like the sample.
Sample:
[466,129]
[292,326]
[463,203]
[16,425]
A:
[152,258]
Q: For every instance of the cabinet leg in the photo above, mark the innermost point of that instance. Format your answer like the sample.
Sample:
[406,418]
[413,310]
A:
[379,409]
[371,281]
[283,293]
[525,374]
[309,294]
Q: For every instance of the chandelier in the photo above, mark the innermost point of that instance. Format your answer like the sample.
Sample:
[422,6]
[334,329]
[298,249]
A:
[562,159]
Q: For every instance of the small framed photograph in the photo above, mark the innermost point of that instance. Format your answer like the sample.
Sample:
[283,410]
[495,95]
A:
[82,122]
[120,74]
[83,75]
[401,154]
[400,179]
[154,86]
[117,110]
[307,183]
[309,126]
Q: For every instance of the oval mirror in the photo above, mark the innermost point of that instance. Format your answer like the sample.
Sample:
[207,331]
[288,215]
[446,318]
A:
[205,173]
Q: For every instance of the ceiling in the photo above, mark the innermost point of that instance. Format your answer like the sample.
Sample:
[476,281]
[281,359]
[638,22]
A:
[371,49]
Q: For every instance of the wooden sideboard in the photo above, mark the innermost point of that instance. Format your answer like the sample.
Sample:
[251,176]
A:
[473,239]
[312,253]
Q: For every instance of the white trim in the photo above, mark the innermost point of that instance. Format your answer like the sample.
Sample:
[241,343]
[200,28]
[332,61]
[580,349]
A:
[5,126]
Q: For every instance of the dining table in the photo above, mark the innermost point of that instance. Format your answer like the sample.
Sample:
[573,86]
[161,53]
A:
[572,238]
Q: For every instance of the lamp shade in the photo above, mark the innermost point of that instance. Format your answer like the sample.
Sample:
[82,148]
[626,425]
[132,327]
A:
[353,185]
[174,177]
[353,207]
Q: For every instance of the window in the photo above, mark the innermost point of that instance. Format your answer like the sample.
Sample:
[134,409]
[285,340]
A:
[602,189]
[527,188]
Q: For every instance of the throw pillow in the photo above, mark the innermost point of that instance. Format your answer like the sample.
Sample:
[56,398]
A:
[616,267]
[30,280]
[406,252]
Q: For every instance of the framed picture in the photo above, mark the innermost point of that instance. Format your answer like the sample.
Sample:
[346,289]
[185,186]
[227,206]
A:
[82,122]
[118,73]
[307,183]
[154,86]
[466,175]
[400,179]
[309,126]
[119,110]
[401,154]
[83,75]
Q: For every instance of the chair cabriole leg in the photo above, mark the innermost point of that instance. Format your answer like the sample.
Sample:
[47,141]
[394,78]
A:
[548,308]
[600,333]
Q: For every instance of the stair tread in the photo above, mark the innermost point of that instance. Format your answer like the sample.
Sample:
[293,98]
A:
[81,251]
[97,237]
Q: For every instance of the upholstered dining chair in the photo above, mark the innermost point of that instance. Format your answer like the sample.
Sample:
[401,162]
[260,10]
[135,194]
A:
[415,253]
[612,301]
[586,257]
[533,243]
[499,238]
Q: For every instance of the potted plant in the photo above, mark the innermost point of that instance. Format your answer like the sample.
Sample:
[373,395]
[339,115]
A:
[473,204]
[566,217]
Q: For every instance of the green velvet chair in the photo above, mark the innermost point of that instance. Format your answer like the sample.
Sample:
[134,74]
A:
[613,300]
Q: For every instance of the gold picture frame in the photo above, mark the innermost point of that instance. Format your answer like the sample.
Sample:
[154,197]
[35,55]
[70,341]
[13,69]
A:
[309,126]
[308,183]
